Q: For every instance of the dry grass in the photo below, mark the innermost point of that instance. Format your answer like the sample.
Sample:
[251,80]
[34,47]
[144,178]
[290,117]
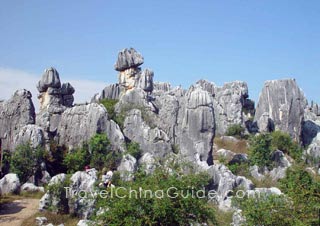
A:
[54,219]
[4,199]
[267,182]
[238,147]
[223,218]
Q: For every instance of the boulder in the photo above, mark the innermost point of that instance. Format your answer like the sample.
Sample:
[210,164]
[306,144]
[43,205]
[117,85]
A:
[50,78]
[128,58]
[111,92]
[9,184]
[148,163]
[31,188]
[40,221]
[284,103]
[15,113]
[238,219]
[127,167]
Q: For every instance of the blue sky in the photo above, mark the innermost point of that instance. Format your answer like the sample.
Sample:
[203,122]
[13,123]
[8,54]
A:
[182,41]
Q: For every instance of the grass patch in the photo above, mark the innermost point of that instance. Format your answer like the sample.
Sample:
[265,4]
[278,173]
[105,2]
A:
[53,218]
[5,199]
[222,217]
[266,182]
[31,195]
[238,147]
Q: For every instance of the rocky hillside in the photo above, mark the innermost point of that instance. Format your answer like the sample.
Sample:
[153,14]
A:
[166,122]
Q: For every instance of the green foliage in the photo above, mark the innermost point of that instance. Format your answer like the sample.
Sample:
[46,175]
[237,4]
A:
[133,149]
[239,169]
[109,104]
[76,160]
[260,150]
[148,210]
[235,130]
[54,159]
[267,210]
[58,190]
[298,206]
[26,160]
[99,146]
[304,192]
[284,143]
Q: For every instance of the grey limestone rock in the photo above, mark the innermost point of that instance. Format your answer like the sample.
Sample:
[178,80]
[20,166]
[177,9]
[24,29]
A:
[30,134]
[197,125]
[112,91]
[50,78]
[15,113]
[151,140]
[127,167]
[10,184]
[80,123]
[128,58]
[284,102]
[145,80]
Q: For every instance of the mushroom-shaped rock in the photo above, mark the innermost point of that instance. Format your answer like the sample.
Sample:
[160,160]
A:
[50,78]
[128,58]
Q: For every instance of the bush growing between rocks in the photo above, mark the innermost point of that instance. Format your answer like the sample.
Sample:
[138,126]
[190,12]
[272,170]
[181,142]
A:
[133,149]
[77,160]
[153,211]
[110,104]
[26,161]
[235,130]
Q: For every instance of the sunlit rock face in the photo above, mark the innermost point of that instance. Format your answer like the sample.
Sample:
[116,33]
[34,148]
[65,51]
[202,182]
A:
[281,106]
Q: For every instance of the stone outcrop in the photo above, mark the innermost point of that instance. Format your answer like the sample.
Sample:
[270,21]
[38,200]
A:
[282,104]
[79,123]
[127,167]
[152,140]
[15,113]
[197,125]
[9,184]
[30,134]
[128,58]
[231,104]
[53,96]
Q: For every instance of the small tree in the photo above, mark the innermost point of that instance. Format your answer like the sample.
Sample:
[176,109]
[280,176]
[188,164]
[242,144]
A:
[260,150]
[133,149]
[25,161]
[76,160]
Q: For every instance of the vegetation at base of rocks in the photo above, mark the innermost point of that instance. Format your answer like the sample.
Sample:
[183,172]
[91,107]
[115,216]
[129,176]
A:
[239,147]
[263,145]
[26,161]
[223,217]
[150,210]
[283,142]
[76,160]
[298,206]
[55,219]
[239,169]
[97,153]
[235,130]
[58,190]
[110,104]
[54,160]
[133,148]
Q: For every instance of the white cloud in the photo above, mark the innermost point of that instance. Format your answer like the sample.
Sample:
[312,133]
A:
[13,79]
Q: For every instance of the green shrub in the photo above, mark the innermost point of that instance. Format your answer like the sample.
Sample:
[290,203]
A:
[235,130]
[54,159]
[260,150]
[109,104]
[267,210]
[25,161]
[76,160]
[239,169]
[304,192]
[133,149]
[101,154]
[150,210]
[61,201]
[284,143]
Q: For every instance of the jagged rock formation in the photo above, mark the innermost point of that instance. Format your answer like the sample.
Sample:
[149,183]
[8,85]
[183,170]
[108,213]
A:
[15,113]
[128,58]
[31,134]
[197,125]
[281,105]
[54,97]
[78,124]
[231,104]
